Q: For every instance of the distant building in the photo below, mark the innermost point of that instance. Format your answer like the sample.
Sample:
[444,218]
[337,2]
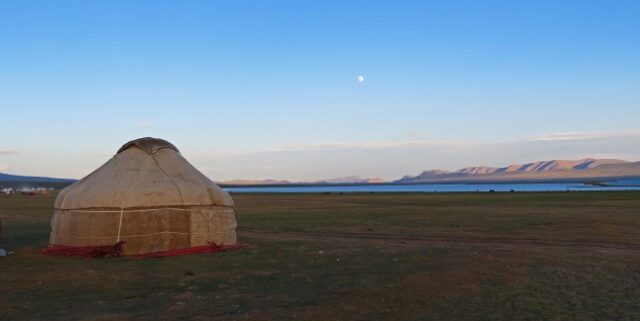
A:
[7,190]
[33,191]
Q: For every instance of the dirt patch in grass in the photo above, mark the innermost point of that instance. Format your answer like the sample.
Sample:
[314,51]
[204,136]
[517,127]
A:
[504,243]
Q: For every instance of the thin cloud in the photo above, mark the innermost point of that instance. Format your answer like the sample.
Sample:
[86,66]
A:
[320,146]
[550,137]
[9,152]
[420,144]
[586,135]
[416,134]
[344,146]
[390,159]
[358,145]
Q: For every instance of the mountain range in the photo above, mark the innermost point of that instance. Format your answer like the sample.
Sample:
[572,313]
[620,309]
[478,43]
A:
[541,170]
[19,178]
[583,169]
[7,180]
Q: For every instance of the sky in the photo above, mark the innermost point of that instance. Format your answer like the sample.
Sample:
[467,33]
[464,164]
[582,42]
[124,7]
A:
[304,90]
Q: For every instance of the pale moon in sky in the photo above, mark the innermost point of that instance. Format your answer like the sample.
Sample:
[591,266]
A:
[360,78]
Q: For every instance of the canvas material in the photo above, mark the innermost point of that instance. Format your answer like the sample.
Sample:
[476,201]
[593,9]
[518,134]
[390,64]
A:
[145,230]
[134,178]
[154,202]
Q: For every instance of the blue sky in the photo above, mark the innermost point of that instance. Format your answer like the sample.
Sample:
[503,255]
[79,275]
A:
[268,89]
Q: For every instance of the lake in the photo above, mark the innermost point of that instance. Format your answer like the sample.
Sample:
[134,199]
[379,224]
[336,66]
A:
[451,187]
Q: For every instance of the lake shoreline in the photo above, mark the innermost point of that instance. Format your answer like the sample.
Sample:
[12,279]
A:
[592,180]
[618,185]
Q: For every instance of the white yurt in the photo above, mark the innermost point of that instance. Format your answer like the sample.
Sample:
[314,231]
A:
[146,200]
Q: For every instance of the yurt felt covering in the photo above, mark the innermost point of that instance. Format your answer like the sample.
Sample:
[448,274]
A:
[148,199]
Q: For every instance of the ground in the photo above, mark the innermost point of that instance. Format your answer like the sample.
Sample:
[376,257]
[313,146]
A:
[431,256]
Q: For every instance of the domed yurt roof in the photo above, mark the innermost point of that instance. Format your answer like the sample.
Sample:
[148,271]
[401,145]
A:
[148,196]
[145,172]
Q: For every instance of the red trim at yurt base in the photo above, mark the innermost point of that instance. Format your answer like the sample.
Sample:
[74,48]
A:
[85,251]
[211,248]
[116,250]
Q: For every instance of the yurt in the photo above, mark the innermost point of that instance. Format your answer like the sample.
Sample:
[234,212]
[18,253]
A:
[147,200]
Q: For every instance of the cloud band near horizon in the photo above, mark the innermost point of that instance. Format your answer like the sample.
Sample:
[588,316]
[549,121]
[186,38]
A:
[387,159]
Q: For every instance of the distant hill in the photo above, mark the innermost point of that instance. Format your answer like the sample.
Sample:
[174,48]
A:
[338,180]
[33,181]
[255,182]
[541,170]
[350,180]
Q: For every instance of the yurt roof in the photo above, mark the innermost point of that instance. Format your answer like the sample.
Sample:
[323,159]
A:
[145,173]
[148,144]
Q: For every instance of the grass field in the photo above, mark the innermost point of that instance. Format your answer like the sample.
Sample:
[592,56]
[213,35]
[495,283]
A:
[465,256]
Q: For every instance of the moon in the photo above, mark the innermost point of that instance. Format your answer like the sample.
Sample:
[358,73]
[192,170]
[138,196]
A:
[360,78]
